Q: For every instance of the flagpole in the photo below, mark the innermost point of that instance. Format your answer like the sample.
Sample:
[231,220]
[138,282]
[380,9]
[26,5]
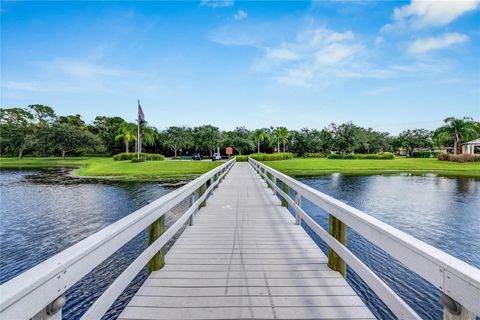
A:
[138,139]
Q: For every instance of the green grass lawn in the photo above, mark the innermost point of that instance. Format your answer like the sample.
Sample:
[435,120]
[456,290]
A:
[318,166]
[121,170]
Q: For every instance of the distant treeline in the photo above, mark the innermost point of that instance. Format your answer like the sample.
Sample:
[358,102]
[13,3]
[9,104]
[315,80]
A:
[38,130]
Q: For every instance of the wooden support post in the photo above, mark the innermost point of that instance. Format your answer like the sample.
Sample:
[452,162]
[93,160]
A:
[298,201]
[274,179]
[201,191]
[285,189]
[156,229]
[339,231]
[269,176]
[192,217]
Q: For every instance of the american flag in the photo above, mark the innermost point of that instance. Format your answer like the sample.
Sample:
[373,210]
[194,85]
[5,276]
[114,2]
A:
[141,116]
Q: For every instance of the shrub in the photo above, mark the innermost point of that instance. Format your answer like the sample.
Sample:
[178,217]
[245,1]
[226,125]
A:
[144,156]
[382,156]
[425,154]
[241,158]
[272,156]
[314,155]
[459,157]
[138,160]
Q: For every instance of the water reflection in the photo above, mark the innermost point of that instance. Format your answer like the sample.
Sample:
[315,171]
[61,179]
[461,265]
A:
[45,212]
[441,211]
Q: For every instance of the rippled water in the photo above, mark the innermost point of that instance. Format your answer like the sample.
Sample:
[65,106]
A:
[444,212]
[45,212]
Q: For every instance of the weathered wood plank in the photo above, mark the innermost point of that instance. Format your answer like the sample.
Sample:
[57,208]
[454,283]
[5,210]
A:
[245,258]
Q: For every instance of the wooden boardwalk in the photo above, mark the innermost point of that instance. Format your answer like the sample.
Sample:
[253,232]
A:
[245,258]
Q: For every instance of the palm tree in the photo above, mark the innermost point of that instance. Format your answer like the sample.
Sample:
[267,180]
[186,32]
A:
[258,136]
[281,134]
[458,129]
[147,136]
[128,133]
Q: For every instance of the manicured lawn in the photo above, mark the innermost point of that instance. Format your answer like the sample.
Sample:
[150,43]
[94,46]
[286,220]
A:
[122,170]
[318,166]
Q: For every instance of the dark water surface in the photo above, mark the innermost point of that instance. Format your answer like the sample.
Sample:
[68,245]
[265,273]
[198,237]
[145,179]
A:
[443,212]
[45,212]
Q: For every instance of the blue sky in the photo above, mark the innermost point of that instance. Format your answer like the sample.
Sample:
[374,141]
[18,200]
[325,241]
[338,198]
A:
[389,65]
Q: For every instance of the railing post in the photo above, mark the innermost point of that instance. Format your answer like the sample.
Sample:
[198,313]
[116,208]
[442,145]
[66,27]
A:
[201,191]
[274,181]
[192,201]
[338,230]
[285,189]
[298,201]
[452,310]
[156,229]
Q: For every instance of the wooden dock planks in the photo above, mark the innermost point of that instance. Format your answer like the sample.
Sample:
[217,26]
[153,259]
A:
[244,258]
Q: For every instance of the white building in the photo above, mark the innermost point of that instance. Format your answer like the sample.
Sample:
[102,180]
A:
[469,147]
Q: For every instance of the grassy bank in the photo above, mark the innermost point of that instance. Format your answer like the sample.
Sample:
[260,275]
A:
[318,166]
[119,170]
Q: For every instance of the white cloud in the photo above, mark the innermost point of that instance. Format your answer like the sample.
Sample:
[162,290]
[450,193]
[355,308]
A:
[217,3]
[298,76]
[20,85]
[281,54]
[379,40]
[426,13]
[240,15]
[424,45]
[82,69]
[335,53]
[315,55]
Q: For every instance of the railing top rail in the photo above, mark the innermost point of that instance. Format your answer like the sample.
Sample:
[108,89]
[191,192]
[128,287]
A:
[452,276]
[51,278]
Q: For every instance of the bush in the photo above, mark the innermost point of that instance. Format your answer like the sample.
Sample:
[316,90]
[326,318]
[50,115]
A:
[382,156]
[144,156]
[138,160]
[241,158]
[272,156]
[342,156]
[314,155]
[425,154]
[459,157]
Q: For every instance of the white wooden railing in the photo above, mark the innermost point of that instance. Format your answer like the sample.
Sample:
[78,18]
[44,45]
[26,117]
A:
[39,292]
[458,281]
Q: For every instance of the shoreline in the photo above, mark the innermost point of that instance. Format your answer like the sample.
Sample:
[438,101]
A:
[180,172]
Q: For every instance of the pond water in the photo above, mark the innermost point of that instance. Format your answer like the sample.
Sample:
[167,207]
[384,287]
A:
[443,212]
[45,212]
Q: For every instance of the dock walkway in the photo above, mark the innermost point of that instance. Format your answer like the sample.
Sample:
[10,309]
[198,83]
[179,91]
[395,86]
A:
[245,258]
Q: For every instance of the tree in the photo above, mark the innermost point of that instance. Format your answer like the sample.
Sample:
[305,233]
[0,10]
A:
[239,139]
[416,138]
[305,141]
[43,115]
[72,120]
[176,138]
[128,133]
[281,135]
[259,136]
[17,131]
[65,138]
[106,128]
[206,137]
[345,137]
[147,135]
[458,130]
